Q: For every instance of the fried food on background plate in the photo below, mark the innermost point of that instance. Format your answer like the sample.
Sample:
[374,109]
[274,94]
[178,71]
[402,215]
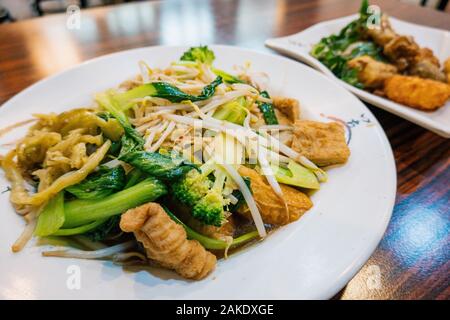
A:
[447,69]
[372,73]
[166,242]
[405,53]
[322,143]
[271,207]
[415,92]
[426,65]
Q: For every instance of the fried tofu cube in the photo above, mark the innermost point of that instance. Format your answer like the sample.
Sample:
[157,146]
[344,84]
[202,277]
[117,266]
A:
[322,143]
[372,73]
[418,93]
[288,106]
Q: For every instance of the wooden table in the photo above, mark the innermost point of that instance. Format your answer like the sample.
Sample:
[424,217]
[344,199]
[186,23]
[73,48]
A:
[414,255]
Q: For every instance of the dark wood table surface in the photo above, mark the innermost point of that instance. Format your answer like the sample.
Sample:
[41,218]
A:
[413,257]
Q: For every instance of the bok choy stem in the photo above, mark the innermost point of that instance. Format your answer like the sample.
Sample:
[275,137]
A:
[81,212]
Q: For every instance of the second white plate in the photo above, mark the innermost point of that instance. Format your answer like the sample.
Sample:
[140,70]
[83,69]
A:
[300,44]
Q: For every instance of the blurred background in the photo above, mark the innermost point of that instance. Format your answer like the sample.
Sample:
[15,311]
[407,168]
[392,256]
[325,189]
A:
[14,10]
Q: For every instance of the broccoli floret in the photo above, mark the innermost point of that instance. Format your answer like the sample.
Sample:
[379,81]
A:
[209,209]
[190,189]
[201,54]
[202,196]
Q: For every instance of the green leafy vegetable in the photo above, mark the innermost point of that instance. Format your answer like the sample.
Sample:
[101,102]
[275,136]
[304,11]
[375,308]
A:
[110,127]
[333,52]
[133,177]
[238,195]
[104,230]
[226,77]
[80,212]
[158,165]
[267,110]
[296,175]
[52,216]
[210,243]
[366,48]
[201,54]
[99,184]
[79,230]
[234,111]
[132,137]
[115,148]
[163,90]
[129,145]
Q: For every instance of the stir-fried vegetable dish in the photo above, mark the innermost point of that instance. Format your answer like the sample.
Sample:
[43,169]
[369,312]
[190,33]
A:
[176,167]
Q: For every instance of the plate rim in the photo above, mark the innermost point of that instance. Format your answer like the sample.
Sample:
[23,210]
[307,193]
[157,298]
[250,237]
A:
[360,259]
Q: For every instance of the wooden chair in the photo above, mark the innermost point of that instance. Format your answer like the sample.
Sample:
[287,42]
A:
[36,4]
[442,4]
[5,16]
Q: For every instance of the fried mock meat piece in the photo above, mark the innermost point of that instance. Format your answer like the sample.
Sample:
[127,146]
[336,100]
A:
[426,65]
[423,94]
[166,241]
[384,34]
[322,143]
[371,72]
[271,207]
[405,53]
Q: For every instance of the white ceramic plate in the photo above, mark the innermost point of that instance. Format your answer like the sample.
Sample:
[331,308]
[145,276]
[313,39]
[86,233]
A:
[312,258]
[300,44]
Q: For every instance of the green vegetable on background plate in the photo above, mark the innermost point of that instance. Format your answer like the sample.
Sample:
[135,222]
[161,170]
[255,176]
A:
[336,50]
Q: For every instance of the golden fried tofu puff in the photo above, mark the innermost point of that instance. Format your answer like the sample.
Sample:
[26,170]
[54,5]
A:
[322,143]
[418,93]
